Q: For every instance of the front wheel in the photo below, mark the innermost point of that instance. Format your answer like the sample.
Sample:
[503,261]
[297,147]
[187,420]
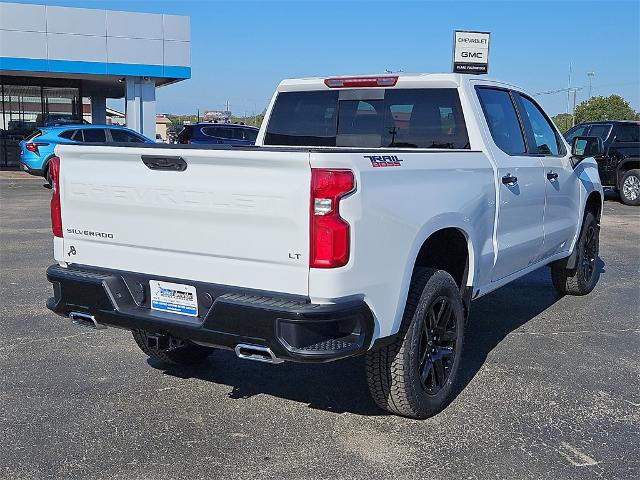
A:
[415,375]
[630,187]
[583,278]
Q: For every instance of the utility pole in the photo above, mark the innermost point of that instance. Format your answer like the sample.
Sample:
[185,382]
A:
[573,110]
[590,75]
[569,89]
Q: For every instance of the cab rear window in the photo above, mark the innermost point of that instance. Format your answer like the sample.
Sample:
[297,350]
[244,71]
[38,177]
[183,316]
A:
[398,118]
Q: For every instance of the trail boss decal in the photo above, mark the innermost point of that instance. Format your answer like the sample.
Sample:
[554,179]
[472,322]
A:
[384,160]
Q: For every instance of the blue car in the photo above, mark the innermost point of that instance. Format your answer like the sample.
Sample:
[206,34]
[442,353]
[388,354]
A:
[218,133]
[37,149]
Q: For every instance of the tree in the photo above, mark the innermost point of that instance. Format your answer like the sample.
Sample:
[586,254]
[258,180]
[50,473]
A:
[613,107]
[563,121]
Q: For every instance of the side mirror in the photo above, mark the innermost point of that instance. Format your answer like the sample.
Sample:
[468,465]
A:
[583,147]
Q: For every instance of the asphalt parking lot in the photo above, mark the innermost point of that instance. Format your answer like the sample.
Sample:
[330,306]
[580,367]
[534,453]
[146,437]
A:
[551,387]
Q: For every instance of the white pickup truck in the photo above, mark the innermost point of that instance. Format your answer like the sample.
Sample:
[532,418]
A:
[368,216]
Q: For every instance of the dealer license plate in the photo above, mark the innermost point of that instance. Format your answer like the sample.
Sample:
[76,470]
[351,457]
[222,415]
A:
[174,298]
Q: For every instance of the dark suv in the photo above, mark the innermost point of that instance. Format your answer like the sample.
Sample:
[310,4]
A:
[218,133]
[619,166]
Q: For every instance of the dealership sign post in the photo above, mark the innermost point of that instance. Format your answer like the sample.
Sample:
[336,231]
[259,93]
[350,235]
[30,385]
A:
[470,52]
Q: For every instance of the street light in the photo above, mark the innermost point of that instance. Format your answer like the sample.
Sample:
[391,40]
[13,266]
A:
[590,75]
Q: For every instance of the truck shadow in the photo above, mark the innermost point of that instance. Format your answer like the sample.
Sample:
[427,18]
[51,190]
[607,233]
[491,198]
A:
[341,386]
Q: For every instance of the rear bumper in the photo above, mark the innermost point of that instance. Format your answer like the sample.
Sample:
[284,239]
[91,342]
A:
[33,171]
[292,327]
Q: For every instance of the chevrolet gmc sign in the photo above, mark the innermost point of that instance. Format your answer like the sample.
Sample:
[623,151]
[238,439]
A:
[470,52]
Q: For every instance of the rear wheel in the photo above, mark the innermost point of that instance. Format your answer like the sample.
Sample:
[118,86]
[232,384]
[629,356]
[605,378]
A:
[47,176]
[630,187]
[583,278]
[170,350]
[415,375]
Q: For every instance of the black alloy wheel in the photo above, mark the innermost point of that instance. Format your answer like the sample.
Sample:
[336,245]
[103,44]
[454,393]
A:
[416,374]
[437,345]
[590,253]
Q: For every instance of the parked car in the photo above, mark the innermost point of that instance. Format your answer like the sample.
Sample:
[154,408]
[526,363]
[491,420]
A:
[38,148]
[58,119]
[218,133]
[371,213]
[619,165]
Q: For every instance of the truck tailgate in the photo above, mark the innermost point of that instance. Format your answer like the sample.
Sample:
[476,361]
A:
[232,217]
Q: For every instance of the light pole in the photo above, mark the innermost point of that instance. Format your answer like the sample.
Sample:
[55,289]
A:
[590,75]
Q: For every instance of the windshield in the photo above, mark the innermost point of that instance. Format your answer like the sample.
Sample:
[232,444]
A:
[401,118]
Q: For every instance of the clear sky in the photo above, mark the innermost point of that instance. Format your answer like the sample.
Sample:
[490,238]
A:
[242,49]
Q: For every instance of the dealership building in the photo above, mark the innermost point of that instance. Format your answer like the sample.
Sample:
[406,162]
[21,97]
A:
[51,58]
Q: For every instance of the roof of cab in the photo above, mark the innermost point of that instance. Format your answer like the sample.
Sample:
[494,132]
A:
[405,80]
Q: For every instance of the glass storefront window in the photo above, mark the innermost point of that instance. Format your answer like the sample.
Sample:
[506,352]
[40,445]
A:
[61,105]
[22,104]
[27,107]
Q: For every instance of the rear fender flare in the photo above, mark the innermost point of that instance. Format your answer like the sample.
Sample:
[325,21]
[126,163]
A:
[45,164]
[626,164]
[434,225]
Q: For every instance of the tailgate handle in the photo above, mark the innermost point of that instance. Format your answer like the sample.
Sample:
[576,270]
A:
[159,162]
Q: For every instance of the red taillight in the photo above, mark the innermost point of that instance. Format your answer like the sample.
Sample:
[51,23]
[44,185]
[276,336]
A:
[56,211]
[33,147]
[354,82]
[329,233]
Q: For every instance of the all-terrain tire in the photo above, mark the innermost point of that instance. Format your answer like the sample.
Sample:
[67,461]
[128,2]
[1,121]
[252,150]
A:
[186,354]
[582,279]
[394,371]
[630,187]
[47,176]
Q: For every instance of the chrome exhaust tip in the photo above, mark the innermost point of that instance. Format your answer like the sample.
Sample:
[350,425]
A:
[256,353]
[85,320]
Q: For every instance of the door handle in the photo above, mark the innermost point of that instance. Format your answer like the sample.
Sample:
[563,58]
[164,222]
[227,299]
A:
[552,176]
[158,162]
[509,180]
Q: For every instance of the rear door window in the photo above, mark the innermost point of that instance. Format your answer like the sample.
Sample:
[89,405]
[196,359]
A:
[125,136]
[250,134]
[600,130]
[225,132]
[218,132]
[628,133]
[68,134]
[237,134]
[94,135]
[502,120]
[211,131]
